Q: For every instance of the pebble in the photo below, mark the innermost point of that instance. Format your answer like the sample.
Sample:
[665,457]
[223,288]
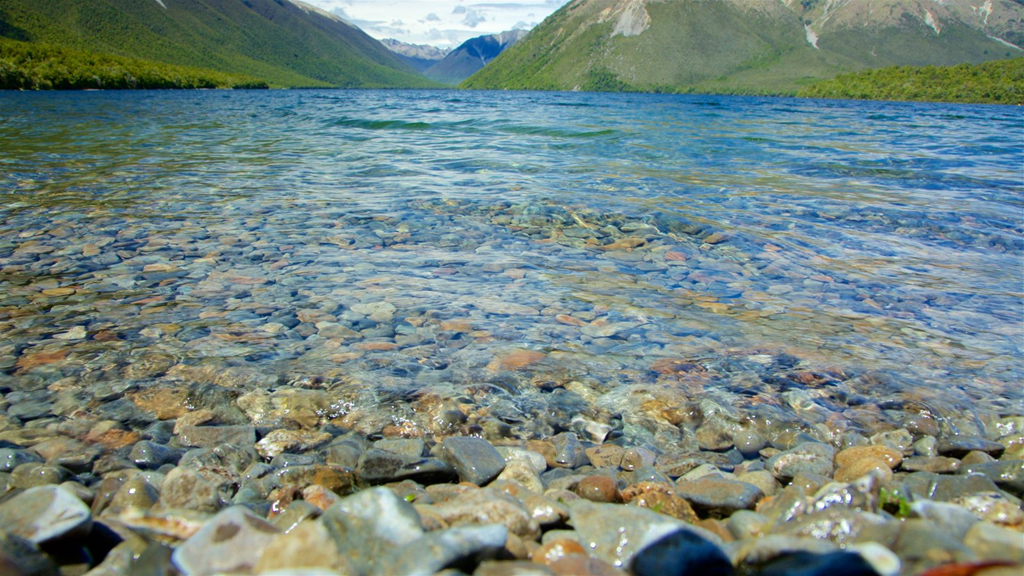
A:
[474,459]
[232,541]
[44,514]
[437,550]
[960,446]
[719,497]
[681,552]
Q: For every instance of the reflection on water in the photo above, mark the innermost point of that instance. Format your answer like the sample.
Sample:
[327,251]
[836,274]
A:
[548,256]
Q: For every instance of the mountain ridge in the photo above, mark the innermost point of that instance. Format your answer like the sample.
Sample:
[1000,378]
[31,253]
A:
[746,46]
[471,56]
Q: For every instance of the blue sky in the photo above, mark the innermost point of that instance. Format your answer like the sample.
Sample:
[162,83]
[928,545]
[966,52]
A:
[442,23]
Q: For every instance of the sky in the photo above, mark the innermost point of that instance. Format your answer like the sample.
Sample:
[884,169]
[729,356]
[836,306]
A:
[441,23]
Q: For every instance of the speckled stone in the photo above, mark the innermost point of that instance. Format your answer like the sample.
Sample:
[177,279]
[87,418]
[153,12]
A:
[718,496]
[232,541]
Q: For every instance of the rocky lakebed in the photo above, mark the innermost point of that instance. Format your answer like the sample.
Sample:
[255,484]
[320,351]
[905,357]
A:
[377,333]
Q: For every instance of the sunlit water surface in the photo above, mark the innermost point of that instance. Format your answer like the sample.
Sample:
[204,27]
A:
[533,258]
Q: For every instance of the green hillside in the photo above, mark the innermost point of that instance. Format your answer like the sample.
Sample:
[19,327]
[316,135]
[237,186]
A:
[730,46]
[998,82]
[25,66]
[280,42]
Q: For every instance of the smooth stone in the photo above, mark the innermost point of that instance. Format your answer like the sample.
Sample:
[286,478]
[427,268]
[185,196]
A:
[838,563]
[544,510]
[232,541]
[605,456]
[584,566]
[45,513]
[950,518]
[992,507]
[681,552]
[945,488]
[413,447]
[369,525]
[511,568]
[150,455]
[837,523]
[1007,474]
[976,457]
[810,457]
[306,546]
[763,480]
[960,446]
[900,440]
[598,489]
[614,533]
[32,474]
[19,556]
[136,492]
[922,545]
[534,459]
[719,497]
[438,550]
[281,441]
[524,473]
[389,517]
[748,524]
[380,467]
[847,457]
[211,436]
[568,451]
[489,506]
[936,464]
[557,549]
[858,468]
[991,542]
[200,490]
[294,514]
[881,559]
[748,554]
[638,457]
[748,442]
[11,458]
[474,459]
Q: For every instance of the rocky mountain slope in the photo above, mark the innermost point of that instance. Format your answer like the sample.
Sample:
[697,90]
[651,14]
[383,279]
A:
[284,42]
[471,56]
[752,46]
[419,56]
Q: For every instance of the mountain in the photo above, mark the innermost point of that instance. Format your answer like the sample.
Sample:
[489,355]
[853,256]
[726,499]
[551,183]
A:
[419,56]
[283,42]
[472,55]
[747,46]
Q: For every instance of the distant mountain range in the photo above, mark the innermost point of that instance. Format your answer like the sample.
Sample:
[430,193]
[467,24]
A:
[747,46]
[471,56]
[283,42]
[419,56]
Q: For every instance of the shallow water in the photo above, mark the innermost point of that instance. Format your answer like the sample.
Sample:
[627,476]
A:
[830,267]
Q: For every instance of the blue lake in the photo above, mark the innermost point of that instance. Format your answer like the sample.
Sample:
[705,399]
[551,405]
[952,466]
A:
[618,265]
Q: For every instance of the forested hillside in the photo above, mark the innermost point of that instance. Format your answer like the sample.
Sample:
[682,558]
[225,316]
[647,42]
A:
[281,42]
[999,82]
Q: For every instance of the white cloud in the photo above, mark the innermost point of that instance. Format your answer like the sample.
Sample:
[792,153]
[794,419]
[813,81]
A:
[443,23]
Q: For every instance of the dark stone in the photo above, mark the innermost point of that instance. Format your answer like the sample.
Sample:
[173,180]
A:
[960,446]
[150,455]
[930,486]
[1007,474]
[11,458]
[808,564]
[682,553]
[380,467]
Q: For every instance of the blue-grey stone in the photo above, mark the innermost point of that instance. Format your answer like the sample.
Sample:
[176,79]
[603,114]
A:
[474,459]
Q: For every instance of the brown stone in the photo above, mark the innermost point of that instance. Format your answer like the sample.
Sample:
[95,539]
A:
[857,468]
[891,456]
[556,550]
[598,489]
[31,360]
[605,456]
[516,360]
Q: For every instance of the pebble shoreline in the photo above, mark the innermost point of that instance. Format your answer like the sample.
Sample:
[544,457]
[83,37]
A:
[186,495]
